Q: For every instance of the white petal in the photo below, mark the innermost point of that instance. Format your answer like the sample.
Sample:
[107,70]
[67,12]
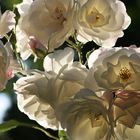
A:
[32,100]
[22,44]
[24,6]
[55,61]
[125,133]
[36,110]
[7,22]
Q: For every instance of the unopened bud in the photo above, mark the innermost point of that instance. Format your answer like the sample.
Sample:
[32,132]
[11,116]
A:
[37,47]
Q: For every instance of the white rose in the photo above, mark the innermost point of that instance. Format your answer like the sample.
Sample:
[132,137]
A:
[50,89]
[39,93]
[50,22]
[7,22]
[114,69]
[28,90]
[101,21]
[84,117]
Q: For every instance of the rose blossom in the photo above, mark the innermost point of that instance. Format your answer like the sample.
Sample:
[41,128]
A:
[85,116]
[39,93]
[28,91]
[62,97]
[101,21]
[115,72]
[50,22]
[114,69]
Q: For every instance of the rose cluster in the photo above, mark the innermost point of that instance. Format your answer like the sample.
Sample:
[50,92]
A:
[46,24]
[99,100]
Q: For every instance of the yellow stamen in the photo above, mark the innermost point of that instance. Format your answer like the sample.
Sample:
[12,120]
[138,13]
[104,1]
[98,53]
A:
[95,19]
[125,74]
[93,117]
[58,14]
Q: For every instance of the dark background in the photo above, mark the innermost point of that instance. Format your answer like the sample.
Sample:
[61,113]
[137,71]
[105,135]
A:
[131,36]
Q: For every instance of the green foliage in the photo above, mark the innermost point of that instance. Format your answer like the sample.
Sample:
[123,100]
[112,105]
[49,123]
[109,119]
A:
[8,4]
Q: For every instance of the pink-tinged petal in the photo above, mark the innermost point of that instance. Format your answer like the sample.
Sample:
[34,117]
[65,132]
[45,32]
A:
[128,103]
[10,73]
[38,49]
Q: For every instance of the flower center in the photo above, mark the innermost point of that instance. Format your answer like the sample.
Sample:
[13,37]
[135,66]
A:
[58,15]
[125,74]
[95,19]
[93,117]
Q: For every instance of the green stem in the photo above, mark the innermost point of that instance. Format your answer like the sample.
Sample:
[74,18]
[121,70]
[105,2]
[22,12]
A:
[46,133]
[19,59]
[40,129]
[7,37]
[77,48]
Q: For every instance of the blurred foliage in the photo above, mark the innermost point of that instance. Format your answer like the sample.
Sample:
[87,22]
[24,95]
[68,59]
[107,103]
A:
[131,36]
[8,4]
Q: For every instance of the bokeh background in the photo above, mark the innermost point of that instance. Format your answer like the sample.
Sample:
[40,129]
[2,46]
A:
[8,105]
